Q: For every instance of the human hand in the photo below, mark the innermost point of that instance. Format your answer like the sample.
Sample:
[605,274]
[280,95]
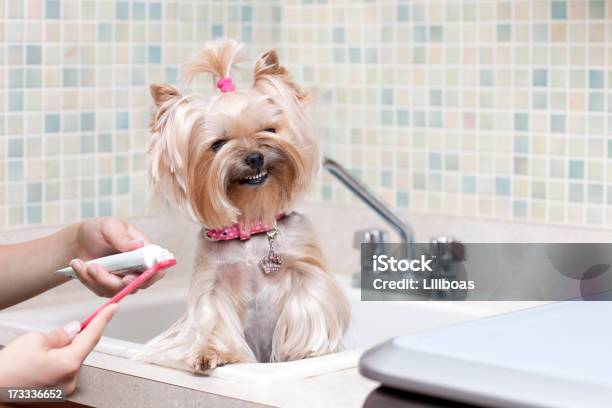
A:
[51,359]
[98,237]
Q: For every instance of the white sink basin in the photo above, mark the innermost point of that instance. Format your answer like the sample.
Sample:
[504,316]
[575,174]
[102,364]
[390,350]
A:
[143,316]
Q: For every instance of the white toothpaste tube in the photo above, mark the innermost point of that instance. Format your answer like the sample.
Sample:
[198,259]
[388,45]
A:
[138,260]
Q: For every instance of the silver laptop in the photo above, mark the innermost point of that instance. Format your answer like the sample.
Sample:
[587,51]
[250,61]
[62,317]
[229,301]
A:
[557,355]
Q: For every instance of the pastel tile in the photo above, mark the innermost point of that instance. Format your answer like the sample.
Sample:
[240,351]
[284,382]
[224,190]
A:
[540,100]
[105,208]
[52,123]
[486,77]
[403,199]
[15,78]
[33,78]
[15,148]
[596,102]
[504,32]
[596,79]
[52,9]
[521,121]
[122,185]
[557,123]
[217,31]
[595,193]
[576,192]
[122,120]
[88,121]
[154,54]
[558,10]
[70,77]
[34,192]
[155,11]
[88,9]
[87,144]
[436,33]
[105,186]
[33,54]
[540,77]
[576,169]
[15,101]
[105,143]
[519,209]
[88,209]
[403,12]
[105,32]
[421,33]
[15,170]
[122,10]
[52,191]
[597,9]
[15,216]
[502,186]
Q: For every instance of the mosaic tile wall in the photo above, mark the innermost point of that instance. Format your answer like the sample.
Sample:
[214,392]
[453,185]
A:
[497,109]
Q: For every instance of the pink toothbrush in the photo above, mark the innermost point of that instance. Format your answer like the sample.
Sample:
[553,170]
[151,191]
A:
[136,283]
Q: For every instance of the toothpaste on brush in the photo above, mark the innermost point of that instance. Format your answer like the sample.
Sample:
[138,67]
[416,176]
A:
[137,260]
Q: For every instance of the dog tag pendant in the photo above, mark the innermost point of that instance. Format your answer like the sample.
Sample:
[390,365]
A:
[272,262]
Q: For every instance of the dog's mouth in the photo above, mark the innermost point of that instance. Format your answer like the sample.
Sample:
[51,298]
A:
[255,179]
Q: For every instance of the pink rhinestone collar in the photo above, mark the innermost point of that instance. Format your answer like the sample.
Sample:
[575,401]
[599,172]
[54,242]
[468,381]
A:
[237,232]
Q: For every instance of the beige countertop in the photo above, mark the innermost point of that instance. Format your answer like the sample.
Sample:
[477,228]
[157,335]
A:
[139,384]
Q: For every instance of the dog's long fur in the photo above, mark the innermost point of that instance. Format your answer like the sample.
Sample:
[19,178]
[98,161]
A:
[235,312]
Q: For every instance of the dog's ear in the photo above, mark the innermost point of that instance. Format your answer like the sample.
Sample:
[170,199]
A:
[267,64]
[163,93]
[172,124]
[268,71]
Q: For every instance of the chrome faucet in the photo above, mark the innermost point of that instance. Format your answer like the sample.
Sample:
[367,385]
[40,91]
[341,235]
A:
[447,250]
[360,190]
[373,236]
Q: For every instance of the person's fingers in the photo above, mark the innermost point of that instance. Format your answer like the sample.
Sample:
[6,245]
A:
[85,341]
[62,336]
[78,266]
[106,281]
[82,272]
[128,278]
[118,235]
[69,386]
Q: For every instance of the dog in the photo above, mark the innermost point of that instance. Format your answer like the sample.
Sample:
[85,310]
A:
[237,163]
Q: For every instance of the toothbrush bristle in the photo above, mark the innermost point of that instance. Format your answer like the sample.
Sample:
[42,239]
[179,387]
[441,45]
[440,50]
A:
[165,255]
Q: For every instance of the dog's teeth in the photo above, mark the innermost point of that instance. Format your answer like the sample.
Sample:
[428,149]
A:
[257,177]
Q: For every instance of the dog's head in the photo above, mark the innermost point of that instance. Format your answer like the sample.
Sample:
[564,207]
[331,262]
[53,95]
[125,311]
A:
[241,156]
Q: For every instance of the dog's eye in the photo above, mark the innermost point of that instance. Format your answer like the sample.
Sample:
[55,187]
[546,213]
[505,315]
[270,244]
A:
[218,145]
[271,130]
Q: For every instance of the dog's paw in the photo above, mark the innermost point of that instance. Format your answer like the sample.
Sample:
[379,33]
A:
[209,359]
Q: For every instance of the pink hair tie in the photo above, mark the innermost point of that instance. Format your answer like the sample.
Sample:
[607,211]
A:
[226,85]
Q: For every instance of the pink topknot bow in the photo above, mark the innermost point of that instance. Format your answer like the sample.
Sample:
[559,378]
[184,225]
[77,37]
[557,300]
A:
[226,84]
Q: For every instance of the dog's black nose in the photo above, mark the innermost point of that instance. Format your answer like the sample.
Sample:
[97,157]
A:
[254,160]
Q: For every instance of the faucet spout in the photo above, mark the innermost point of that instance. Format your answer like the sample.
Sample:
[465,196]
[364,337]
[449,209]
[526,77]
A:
[360,190]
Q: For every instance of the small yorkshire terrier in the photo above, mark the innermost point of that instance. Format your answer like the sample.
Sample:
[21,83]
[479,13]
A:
[237,163]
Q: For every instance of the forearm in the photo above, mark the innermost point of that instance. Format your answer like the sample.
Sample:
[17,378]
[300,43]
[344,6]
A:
[27,268]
